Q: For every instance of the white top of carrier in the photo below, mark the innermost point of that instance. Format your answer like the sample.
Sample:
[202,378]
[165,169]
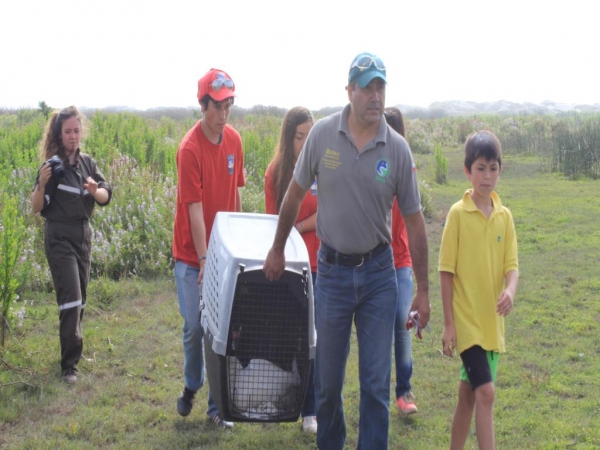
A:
[249,237]
[239,242]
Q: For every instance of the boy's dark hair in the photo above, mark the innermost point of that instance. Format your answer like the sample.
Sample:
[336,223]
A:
[207,98]
[482,144]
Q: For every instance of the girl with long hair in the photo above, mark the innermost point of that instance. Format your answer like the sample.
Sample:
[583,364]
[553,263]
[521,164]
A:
[296,124]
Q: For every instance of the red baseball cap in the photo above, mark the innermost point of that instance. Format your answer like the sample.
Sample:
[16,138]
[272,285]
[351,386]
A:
[216,83]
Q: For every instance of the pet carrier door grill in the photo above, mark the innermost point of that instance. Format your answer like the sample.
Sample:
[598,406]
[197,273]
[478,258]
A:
[259,335]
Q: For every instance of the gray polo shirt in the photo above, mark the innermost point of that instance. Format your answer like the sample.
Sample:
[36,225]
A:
[356,191]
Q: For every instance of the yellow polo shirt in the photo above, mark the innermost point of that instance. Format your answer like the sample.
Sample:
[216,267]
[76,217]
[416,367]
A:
[479,251]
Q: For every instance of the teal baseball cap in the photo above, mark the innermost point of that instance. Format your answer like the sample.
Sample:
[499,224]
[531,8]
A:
[365,67]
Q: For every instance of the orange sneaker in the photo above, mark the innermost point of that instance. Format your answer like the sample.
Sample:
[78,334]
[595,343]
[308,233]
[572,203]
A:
[406,404]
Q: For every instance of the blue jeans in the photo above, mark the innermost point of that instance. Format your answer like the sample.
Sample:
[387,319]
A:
[366,295]
[402,336]
[188,294]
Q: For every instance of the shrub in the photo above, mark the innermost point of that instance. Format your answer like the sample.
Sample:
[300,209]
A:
[133,234]
[426,200]
[105,292]
[576,149]
[11,235]
[441,166]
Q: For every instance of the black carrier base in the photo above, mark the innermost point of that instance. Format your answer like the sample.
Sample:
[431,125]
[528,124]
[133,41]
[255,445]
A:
[264,374]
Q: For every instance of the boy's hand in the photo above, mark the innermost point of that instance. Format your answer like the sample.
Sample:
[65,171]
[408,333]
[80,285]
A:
[505,302]
[449,340]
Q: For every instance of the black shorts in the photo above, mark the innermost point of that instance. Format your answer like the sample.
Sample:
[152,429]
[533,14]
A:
[479,366]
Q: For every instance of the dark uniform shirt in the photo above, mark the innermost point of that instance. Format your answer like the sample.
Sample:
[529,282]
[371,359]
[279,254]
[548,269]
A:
[65,198]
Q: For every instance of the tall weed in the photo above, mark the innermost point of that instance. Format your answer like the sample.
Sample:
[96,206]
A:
[441,166]
[12,231]
[133,234]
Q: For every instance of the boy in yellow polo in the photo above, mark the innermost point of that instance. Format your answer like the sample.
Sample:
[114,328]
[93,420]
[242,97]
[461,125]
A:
[478,268]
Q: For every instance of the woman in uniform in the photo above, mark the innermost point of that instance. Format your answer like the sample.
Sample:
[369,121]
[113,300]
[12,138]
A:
[67,188]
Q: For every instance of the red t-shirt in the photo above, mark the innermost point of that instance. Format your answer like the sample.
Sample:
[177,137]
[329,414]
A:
[307,209]
[399,239]
[209,174]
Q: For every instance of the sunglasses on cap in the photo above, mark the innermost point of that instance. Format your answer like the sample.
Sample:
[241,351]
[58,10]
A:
[364,62]
[221,82]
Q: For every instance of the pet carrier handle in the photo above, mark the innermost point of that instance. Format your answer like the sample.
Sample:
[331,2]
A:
[200,302]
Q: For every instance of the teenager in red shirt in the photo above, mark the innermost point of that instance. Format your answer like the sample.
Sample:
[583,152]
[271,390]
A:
[210,169]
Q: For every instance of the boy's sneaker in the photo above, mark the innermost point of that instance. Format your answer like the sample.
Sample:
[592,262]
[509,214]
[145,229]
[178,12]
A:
[219,422]
[406,404]
[69,376]
[185,402]
[309,424]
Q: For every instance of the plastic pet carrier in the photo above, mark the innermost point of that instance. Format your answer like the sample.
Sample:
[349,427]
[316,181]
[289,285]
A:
[259,336]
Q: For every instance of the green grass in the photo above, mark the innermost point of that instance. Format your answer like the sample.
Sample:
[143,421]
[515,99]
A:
[548,383]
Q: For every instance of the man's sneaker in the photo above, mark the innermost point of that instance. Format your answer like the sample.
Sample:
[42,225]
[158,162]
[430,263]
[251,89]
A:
[309,424]
[69,376]
[185,402]
[219,422]
[406,404]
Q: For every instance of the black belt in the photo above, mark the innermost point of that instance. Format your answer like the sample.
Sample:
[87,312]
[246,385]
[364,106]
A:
[355,260]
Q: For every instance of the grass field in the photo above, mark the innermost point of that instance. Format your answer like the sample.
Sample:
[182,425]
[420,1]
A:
[548,386]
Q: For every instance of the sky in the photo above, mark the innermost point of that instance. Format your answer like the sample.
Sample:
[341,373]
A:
[147,54]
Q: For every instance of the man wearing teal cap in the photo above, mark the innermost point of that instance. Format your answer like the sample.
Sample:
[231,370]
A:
[360,165]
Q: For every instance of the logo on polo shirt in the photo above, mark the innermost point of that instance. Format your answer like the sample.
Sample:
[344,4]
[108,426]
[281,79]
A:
[382,170]
[331,159]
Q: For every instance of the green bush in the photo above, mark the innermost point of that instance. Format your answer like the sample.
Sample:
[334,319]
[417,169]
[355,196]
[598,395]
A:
[104,292]
[133,234]
[426,200]
[12,231]
[441,166]
[576,147]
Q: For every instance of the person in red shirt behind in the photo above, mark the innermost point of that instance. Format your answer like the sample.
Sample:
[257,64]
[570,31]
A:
[405,400]
[210,170]
[296,124]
